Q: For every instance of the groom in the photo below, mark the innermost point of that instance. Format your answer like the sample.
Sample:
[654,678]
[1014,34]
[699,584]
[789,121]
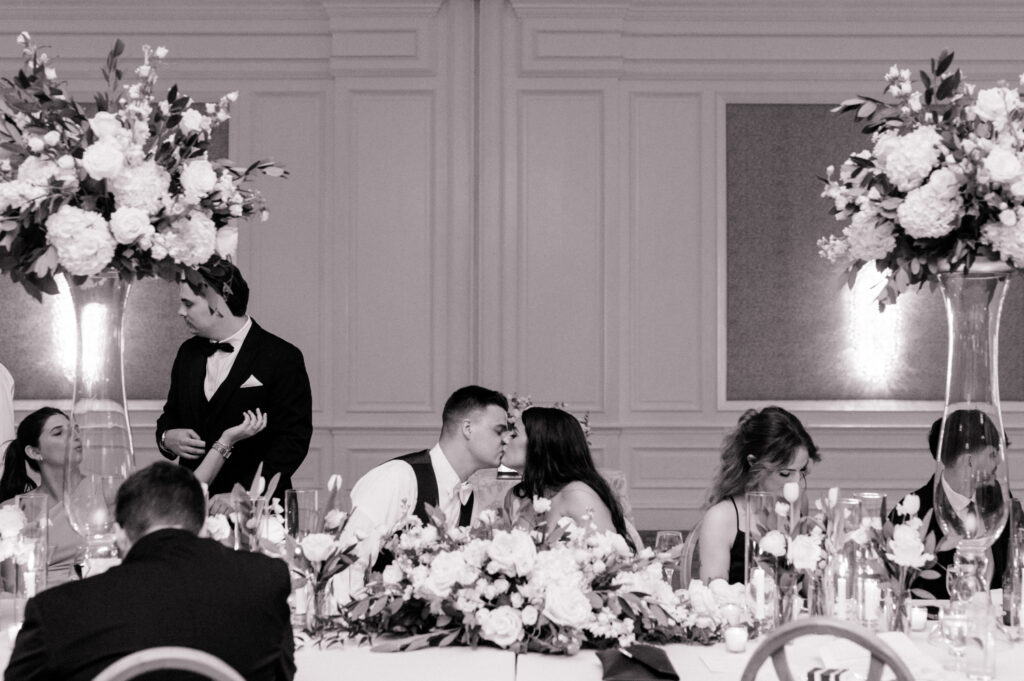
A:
[474,432]
[232,365]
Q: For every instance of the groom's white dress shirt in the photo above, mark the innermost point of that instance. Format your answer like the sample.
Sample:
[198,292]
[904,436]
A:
[385,497]
[7,428]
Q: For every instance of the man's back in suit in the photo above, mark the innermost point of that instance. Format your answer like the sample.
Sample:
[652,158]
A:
[172,589]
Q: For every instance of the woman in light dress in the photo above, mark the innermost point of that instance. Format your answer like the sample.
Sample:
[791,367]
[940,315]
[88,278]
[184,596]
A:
[767,449]
[34,461]
[552,451]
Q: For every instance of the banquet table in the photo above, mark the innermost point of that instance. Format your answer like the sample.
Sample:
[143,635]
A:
[692,662]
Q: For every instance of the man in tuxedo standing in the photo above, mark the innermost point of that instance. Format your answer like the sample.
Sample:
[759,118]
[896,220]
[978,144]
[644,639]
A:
[173,589]
[474,432]
[230,366]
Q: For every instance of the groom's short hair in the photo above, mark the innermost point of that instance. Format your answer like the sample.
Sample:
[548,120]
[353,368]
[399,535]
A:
[162,494]
[223,278]
[466,400]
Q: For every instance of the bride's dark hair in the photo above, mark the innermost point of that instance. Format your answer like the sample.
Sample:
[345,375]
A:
[557,453]
[15,479]
[763,442]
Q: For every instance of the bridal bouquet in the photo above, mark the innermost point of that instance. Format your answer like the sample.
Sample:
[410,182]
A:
[942,186]
[128,188]
[513,588]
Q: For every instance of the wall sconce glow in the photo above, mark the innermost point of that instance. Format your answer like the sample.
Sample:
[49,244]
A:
[874,346]
[94,334]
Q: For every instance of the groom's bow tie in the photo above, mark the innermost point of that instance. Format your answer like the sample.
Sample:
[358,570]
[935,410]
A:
[211,348]
[463,491]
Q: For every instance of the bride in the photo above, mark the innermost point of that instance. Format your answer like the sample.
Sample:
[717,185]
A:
[552,451]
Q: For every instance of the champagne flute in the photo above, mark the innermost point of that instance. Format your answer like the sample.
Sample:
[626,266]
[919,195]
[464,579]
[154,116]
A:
[666,545]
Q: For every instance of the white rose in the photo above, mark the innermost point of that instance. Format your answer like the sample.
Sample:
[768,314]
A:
[272,529]
[906,546]
[105,125]
[512,553]
[217,527]
[446,570]
[37,171]
[392,574]
[192,240]
[128,224]
[702,600]
[804,552]
[1003,165]
[502,626]
[333,519]
[910,505]
[541,505]
[103,161]
[567,605]
[488,516]
[317,546]
[198,179]
[791,491]
[193,121]
[51,138]
[227,242]
[530,615]
[35,144]
[995,104]
[781,508]
[774,543]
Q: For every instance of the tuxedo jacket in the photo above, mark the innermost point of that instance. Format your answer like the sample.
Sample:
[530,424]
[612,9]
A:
[944,559]
[275,377]
[173,589]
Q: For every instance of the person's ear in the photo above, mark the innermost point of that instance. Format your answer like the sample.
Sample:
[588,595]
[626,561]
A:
[466,429]
[750,459]
[121,539]
[33,453]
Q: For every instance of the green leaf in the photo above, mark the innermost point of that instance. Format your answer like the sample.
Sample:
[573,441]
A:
[945,59]
[948,87]
[929,574]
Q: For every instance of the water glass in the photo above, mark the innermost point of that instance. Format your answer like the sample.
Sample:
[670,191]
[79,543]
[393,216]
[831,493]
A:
[872,508]
[35,506]
[301,511]
[666,546]
[763,517]
[955,627]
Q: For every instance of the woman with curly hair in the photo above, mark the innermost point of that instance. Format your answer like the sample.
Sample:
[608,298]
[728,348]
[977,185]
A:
[767,449]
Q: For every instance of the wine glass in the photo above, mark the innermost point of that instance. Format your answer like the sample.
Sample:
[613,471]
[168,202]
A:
[954,625]
[667,544]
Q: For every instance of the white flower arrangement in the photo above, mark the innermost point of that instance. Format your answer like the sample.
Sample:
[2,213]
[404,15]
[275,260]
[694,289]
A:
[511,587]
[129,189]
[942,186]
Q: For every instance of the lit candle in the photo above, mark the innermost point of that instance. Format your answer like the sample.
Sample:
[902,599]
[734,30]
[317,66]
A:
[918,618]
[757,578]
[841,597]
[736,639]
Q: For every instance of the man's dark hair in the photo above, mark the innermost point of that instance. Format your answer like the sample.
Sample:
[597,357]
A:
[467,400]
[222,277]
[970,428]
[160,494]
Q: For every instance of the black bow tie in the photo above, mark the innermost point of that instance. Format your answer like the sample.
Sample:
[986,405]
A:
[211,348]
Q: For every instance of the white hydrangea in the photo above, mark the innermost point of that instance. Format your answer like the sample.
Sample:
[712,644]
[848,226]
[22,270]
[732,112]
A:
[932,210]
[908,159]
[83,241]
[38,171]
[868,238]
[190,241]
[1007,241]
[18,193]
[143,186]
[1003,165]
[103,160]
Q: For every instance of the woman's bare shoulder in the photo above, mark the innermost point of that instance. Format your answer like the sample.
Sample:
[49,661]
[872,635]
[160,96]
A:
[720,517]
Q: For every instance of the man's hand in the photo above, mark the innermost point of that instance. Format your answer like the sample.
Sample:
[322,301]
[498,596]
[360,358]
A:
[184,442]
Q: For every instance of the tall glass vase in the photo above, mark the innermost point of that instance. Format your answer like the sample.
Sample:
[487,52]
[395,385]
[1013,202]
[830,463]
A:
[971,479]
[93,474]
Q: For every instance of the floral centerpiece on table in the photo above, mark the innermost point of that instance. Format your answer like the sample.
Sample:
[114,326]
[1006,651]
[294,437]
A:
[314,561]
[942,186]
[515,588]
[793,550]
[129,188]
[909,553]
[255,521]
[712,607]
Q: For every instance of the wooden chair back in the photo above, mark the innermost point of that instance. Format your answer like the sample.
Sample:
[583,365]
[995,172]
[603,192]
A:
[169,657]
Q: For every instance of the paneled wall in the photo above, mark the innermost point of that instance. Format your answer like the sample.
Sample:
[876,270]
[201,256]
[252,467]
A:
[529,194]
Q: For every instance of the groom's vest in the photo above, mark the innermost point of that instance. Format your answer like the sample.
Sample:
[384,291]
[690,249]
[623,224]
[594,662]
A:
[426,493]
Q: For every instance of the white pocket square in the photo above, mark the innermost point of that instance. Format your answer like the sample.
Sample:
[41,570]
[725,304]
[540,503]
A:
[252,382]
